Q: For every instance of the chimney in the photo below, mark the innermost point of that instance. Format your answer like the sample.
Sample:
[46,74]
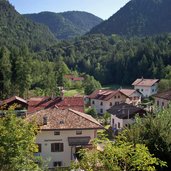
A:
[45,120]
[62,94]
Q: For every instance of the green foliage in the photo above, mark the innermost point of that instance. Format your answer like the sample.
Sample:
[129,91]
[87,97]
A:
[138,18]
[115,60]
[155,132]
[17,144]
[90,84]
[118,156]
[5,72]
[66,25]
[92,112]
[15,29]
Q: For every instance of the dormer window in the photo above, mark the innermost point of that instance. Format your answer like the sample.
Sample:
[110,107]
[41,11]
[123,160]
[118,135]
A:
[45,120]
[61,122]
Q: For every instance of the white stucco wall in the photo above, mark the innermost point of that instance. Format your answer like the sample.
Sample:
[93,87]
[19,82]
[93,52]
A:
[106,104]
[147,91]
[45,138]
[123,122]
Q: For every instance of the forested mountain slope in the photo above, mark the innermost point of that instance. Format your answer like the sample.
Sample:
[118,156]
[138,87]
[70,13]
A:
[16,29]
[114,59]
[138,18]
[66,25]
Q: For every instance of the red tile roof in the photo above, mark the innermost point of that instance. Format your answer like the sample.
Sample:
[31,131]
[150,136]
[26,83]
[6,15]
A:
[128,92]
[144,82]
[74,78]
[38,103]
[164,95]
[63,120]
[6,101]
[103,94]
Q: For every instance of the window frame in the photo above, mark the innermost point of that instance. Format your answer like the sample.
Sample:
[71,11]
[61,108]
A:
[57,147]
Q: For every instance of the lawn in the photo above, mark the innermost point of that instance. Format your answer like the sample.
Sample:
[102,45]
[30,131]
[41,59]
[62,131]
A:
[115,86]
[74,92]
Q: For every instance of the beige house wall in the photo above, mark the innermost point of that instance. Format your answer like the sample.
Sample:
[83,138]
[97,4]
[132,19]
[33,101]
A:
[162,103]
[45,138]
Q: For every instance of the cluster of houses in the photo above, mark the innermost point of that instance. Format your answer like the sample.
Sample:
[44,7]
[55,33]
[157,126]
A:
[65,128]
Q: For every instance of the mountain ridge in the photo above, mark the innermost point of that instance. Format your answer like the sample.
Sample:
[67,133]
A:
[66,25]
[15,29]
[138,18]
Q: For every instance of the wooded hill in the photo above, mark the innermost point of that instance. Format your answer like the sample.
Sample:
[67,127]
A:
[66,25]
[16,29]
[138,18]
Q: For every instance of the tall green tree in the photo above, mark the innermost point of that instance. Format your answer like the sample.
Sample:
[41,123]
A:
[5,73]
[155,132]
[17,144]
[120,155]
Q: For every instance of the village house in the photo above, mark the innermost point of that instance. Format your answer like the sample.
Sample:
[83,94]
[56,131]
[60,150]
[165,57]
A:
[19,104]
[123,115]
[39,103]
[63,133]
[147,87]
[23,107]
[102,100]
[163,99]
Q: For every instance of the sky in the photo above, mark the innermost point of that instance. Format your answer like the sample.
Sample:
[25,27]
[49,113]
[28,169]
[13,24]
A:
[101,8]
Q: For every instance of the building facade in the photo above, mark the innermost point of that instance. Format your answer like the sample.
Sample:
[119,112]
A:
[163,99]
[123,115]
[102,100]
[63,133]
[147,87]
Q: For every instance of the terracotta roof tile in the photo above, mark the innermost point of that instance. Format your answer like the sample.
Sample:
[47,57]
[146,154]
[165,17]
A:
[144,82]
[103,94]
[64,119]
[127,92]
[164,95]
[14,98]
[36,104]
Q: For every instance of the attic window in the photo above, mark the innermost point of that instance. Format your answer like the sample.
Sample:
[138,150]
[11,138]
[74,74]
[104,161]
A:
[61,122]
[45,120]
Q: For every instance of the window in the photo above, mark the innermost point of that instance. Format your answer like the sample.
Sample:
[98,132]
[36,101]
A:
[101,110]
[101,103]
[113,121]
[142,90]
[114,97]
[39,148]
[57,164]
[57,147]
[116,103]
[157,103]
[163,104]
[119,125]
[78,132]
[118,97]
[92,102]
[110,104]
[56,132]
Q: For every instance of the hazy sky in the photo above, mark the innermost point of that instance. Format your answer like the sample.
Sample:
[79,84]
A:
[101,8]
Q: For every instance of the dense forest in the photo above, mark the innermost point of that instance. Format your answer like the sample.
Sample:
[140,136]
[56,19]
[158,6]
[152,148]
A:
[33,60]
[113,59]
[138,18]
[66,25]
[16,29]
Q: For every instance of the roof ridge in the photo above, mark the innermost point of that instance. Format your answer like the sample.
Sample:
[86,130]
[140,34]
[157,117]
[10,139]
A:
[81,114]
